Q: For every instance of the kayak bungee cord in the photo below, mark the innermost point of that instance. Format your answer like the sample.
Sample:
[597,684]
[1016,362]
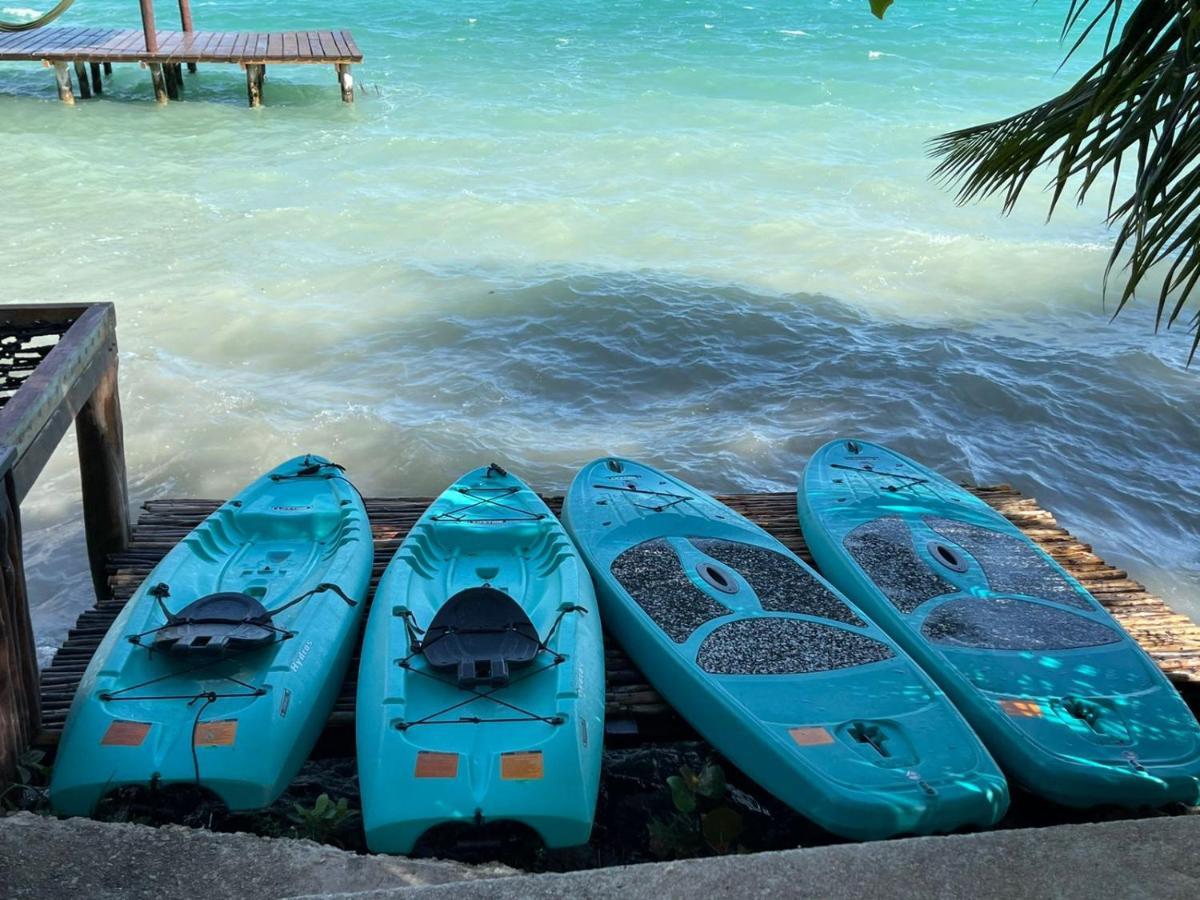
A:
[458,513]
[44,19]
[418,648]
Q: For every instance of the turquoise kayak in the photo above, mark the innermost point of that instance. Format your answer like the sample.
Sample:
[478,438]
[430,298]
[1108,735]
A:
[1068,703]
[221,670]
[779,672]
[481,686]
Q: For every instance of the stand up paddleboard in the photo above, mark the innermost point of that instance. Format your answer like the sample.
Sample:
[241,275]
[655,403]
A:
[771,665]
[223,667]
[481,687]
[1071,707]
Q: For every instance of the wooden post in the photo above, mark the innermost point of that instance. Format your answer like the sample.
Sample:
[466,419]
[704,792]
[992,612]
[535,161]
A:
[101,441]
[346,80]
[108,68]
[20,712]
[185,22]
[63,75]
[254,80]
[148,29]
[97,84]
[169,77]
[85,89]
[178,67]
[160,82]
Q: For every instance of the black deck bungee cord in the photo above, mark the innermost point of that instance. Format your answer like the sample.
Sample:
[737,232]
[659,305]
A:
[676,499]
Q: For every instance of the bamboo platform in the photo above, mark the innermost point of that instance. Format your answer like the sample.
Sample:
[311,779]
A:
[99,48]
[634,709]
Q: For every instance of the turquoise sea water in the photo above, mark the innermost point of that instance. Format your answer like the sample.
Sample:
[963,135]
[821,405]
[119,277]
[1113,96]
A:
[697,233]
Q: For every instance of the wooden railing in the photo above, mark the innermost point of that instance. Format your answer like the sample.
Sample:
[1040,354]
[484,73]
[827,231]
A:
[75,382]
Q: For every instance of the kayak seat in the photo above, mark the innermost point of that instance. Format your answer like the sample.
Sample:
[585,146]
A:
[217,624]
[480,633]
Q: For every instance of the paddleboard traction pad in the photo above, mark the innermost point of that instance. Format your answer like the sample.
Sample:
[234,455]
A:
[1005,623]
[1010,564]
[781,584]
[778,646]
[653,576]
[883,548]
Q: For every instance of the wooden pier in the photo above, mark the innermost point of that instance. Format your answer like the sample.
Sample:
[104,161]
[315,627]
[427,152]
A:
[635,711]
[92,52]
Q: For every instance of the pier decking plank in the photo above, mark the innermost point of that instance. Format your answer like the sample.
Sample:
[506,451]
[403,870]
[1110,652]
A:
[1171,639]
[129,45]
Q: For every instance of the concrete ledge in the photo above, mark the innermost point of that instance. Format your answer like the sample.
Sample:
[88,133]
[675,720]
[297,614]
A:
[1143,858]
[49,858]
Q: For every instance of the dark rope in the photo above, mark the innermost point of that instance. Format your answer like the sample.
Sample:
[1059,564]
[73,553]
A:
[319,589]
[209,700]
[411,628]
[544,644]
[309,469]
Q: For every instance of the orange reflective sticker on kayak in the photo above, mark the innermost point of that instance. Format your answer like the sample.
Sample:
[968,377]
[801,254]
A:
[811,737]
[436,765]
[525,765]
[216,734]
[125,734]
[1022,708]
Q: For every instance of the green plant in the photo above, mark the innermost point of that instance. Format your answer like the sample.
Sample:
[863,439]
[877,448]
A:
[1132,113]
[28,791]
[700,819]
[324,820]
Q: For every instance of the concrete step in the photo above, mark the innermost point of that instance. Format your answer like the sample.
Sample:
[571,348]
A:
[43,857]
[1142,858]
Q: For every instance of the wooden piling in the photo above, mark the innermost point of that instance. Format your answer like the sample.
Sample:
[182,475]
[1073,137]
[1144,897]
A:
[160,82]
[169,76]
[100,438]
[85,89]
[346,81]
[20,712]
[185,23]
[149,32]
[107,68]
[254,82]
[97,83]
[73,379]
[63,75]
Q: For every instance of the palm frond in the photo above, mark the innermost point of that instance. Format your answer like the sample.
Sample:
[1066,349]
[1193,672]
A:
[1139,105]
